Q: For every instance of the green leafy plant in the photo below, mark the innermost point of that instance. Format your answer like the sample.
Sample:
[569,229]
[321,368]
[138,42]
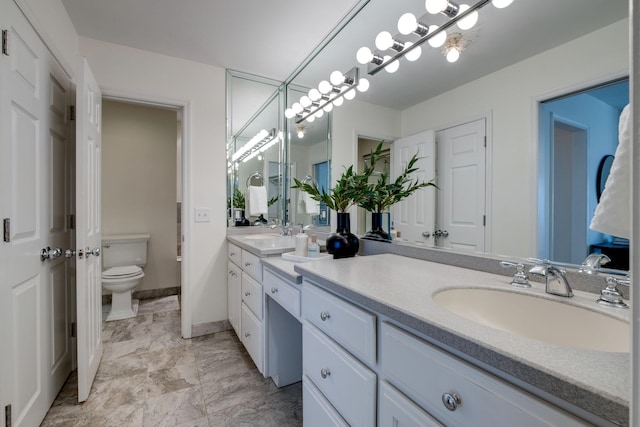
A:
[272,200]
[238,199]
[344,195]
[380,195]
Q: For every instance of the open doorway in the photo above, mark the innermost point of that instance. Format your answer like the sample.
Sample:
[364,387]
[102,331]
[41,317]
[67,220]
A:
[577,131]
[141,187]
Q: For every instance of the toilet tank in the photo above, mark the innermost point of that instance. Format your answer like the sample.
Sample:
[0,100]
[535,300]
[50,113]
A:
[124,249]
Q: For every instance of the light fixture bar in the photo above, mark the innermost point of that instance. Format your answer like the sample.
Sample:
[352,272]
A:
[254,145]
[351,80]
[374,69]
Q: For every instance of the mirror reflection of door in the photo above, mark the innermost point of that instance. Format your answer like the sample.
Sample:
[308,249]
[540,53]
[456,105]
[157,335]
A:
[576,132]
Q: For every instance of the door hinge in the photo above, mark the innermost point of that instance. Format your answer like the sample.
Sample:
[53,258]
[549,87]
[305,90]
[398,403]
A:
[5,42]
[72,112]
[74,330]
[7,230]
[7,416]
[485,142]
[484,220]
[72,222]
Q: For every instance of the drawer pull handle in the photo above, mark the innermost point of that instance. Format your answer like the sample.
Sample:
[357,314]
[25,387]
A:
[247,335]
[246,294]
[324,316]
[274,290]
[247,264]
[233,254]
[325,372]
[451,401]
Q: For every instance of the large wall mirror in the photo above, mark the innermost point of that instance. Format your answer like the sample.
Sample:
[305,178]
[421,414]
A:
[514,59]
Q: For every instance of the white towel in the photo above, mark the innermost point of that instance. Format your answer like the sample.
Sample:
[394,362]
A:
[312,207]
[613,213]
[257,198]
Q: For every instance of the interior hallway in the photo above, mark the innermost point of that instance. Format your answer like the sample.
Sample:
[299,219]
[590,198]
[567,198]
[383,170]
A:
[150,376]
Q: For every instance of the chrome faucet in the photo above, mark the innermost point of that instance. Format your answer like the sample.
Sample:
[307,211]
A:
[520,278]
[285,229]
[611,296]
[556,282]
[592,264]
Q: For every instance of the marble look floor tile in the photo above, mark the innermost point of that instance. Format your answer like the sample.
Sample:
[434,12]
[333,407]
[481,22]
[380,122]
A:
[202,422]
[222,395]
[211,345]
[169,303]
[174,379]
[118,392]
[125,415]
[115,350]
[129,329]
[174,408]
[223,367]
[122,367]
[169,357]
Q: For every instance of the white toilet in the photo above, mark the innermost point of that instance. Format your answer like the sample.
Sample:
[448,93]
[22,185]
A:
[124,255]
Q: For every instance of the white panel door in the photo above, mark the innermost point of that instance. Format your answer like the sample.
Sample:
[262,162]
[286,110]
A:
[35,355]
[414,217]
[88,227]
[461,178]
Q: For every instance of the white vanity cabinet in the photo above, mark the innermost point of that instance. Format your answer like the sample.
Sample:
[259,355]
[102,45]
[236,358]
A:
[360,368]
[337,338]
[234,286]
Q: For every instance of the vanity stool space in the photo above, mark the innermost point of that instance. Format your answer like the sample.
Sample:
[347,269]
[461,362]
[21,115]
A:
[363,369]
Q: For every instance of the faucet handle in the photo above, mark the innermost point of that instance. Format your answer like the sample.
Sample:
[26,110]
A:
[520,278]
[611,296]
[592,263]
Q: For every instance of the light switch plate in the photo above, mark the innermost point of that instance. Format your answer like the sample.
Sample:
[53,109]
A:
[201,215]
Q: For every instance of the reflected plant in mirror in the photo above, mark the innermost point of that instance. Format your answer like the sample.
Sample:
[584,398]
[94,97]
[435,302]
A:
[378,196]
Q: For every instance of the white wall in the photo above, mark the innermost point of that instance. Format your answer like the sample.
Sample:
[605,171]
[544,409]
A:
[509,95]
[139,183]
[139,74]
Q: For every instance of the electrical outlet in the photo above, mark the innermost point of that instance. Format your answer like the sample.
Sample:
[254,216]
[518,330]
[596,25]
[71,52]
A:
[201,215]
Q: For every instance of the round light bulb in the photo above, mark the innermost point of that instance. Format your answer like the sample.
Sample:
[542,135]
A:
[453,55]
[501,3]
[435,6]
[384,40]
[407,23]
[438,39]
[363,85]
[289,113]
[300,134]
[338,101]
[364,55]
[311,118]
[297,108]
[305,101]
[392,67]
[324,87]
[350,94]
[413,54]
[469,21]
[336,78]
[314,94]
[327,108]
[319,114]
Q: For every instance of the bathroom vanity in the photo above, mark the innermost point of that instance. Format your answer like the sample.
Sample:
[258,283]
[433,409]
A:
[373,346]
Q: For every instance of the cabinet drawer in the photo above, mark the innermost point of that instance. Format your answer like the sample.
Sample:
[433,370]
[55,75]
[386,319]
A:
[317,411]
[234,253]
[425,373]
[352,327]
[252,295]
[286,294]
[396,410]
[252,336]
[346,383]
[234,289]
[252,265]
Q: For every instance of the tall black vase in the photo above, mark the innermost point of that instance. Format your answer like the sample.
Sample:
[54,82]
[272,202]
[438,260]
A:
[343,243]
[376,232]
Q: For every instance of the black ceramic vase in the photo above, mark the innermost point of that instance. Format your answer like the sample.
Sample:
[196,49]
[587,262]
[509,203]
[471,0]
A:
[376,232]
[343,243]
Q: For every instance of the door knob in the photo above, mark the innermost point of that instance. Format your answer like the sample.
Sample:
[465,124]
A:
[94,252]
[48,253]
[426,234]
[69,253]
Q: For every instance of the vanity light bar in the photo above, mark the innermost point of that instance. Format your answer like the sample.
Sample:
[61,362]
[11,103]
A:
[339,89]
[374,67]
[252,147]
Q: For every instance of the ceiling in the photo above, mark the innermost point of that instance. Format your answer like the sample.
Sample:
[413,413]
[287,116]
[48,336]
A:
[267,38]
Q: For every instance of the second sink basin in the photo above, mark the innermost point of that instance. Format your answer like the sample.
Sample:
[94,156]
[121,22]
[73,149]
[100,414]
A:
[538,318]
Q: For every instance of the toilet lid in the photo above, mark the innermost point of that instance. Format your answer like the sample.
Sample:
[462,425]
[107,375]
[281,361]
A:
[122,272]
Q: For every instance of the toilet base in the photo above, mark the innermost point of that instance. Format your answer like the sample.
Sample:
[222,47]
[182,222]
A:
[122,307]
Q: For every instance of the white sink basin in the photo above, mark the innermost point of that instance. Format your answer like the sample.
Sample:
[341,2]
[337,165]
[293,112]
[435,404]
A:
[538,318]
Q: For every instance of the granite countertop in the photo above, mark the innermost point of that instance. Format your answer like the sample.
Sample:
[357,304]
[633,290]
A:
[402,288]
[264,244]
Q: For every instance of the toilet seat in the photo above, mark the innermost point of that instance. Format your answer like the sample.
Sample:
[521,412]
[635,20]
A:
[122,272]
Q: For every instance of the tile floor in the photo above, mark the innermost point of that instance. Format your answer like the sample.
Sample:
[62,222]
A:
[150,376]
